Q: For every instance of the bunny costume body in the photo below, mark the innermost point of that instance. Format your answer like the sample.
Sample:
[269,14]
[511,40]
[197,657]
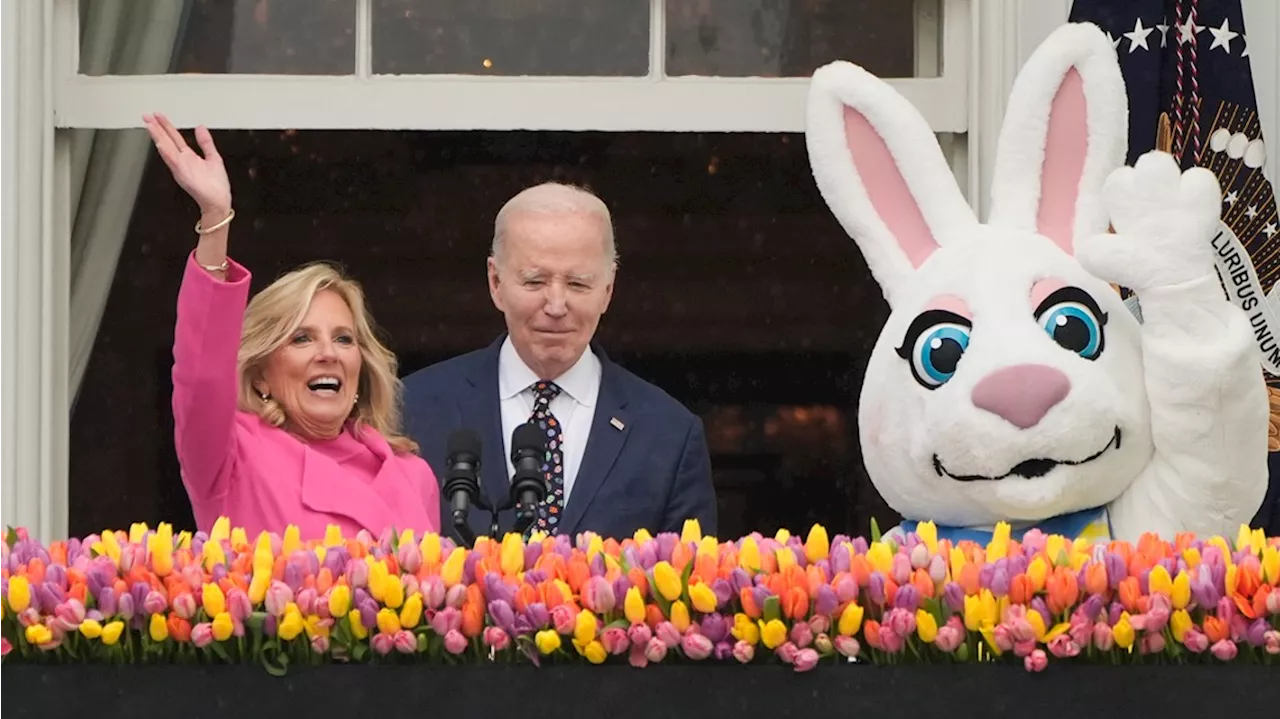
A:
[1010,382]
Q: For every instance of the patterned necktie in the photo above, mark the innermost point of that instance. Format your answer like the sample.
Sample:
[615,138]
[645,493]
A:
[550,509]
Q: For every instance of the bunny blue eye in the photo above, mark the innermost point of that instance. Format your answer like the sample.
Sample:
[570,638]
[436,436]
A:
[933,346]
[1072,319]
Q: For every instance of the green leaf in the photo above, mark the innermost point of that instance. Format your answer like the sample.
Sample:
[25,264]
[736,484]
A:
[10,536]
[618,624]
[684,582]
[662,601]
[274,661]
[358,651]
[221,651]
[875,530]
[255,621]
[772,609]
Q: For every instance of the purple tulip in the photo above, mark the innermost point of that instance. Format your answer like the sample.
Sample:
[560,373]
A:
[953,597]
[875,589]
[51,595]
[825,601]
[723,591]
[335,560]
[125,608]
[57,575]
[1256,634]
[538,615]
[908,597]
[714,627]
[503,615]
[522,627]
[666,545]
[107,601]
[1116,570]
[239,606]
[621,585]
[984,575]
[839,558]
[469,567]
[648,555]
[531,554]
[739,579]
[497,590]
[294,574]
[1018,563]
[597,565]
[1113,615]
[846,589]
[534,577]
[368,613]
[1092,607]
[760,594]
[1000,579]
[139,592]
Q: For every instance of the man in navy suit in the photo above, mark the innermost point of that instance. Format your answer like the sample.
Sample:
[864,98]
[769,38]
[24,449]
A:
[623,455]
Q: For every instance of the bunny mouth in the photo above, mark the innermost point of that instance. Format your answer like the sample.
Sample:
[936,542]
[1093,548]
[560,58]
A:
[1031,468]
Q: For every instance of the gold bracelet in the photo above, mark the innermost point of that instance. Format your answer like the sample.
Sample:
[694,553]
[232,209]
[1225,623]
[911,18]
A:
[214,268]
[225,221]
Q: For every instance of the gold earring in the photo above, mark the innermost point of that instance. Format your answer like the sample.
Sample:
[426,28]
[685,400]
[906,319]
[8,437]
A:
[265,396]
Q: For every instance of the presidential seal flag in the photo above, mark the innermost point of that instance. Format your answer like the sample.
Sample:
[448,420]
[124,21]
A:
[1190,91]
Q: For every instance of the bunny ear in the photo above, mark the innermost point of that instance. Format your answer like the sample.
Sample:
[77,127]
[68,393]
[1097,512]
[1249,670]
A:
[1065,131]
[879,168]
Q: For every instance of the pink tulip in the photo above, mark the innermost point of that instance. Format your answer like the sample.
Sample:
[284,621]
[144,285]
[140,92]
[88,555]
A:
[847,646]
[820,624]
[1063,646]
[278,597]
[1273,602]
[919,556]
[184,605]
[639,635]
[1036,661]
[155,603]
[937,569]
[787,652]
[357,574]
[320,644]
[1102,637]
[446,620]
[802,635]
[1151,644]
[383,643]
[696,646]
[307,601]
[454,642]
[1195,641]
[637,658]
[239,606]
[409,555]
[1224,649]
[1271,641]
[434,593]
[1003,637]
[890,641]
[668,635]
[497,638]
[597,595]
[743,652]
[806,659]
[406,643]
[656,650]
[70,613]
[563,618]
[202,634]
[949,638]
[901,570]
[5,646]
[615,640]
[456,596]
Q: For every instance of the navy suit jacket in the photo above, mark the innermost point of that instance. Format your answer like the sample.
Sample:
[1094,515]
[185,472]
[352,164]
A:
[654,472]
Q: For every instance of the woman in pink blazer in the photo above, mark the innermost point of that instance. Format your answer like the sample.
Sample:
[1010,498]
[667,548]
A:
[287,411]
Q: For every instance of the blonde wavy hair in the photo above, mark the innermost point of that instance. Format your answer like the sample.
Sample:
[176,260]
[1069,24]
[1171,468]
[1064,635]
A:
[275,314]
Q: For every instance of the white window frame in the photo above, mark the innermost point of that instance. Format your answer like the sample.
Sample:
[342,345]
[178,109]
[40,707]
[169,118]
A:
[45,98]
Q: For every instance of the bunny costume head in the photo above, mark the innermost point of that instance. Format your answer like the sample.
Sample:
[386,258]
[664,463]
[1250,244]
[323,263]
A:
[1008,383]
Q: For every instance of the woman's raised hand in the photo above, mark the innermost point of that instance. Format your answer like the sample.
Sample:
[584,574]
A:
[203,177]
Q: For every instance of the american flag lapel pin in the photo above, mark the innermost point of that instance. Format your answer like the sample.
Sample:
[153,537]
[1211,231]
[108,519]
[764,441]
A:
[617,424]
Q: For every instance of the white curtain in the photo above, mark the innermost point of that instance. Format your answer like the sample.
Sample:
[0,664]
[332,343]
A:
[117,37]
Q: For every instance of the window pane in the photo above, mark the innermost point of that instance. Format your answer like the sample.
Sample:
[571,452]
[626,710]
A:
[287,37]
[511,37]
[738,294]
[790,38]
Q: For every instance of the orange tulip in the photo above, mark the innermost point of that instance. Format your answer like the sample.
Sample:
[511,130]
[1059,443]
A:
[704,568]
[472,619]
[1020,590]
[578,572]
[871,630]
[968,579]
[1095,578]
[1129,594]
[924,583]
[890,590]
[639,580]
[179,628]
[681,555]
[1063,590]
[1260,601]
[653,616]
[749,606]
[795,603]
[324,580]
[35,571]
[1216,629]
[860,568]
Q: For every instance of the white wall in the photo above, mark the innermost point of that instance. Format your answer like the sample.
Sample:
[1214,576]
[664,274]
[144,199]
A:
[1262,23]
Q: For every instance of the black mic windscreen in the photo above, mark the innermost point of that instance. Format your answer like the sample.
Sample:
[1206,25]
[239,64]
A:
[528,437]
[463,441]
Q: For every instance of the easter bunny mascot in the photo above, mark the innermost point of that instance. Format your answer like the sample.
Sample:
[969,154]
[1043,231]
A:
[1010,382]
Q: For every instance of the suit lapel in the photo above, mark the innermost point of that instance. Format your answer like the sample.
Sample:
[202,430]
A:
[603,445]
[482,412]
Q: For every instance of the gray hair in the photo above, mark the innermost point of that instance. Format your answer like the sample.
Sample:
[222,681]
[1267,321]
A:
[555,198]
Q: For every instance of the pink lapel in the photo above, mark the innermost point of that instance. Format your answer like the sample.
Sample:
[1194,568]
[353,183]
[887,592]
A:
[326,487]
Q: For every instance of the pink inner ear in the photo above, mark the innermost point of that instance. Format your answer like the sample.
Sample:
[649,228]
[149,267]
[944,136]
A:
[887,189]
[1065,147]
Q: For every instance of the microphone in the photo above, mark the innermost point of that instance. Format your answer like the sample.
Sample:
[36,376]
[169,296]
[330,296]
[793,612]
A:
[462,482]
[528,485]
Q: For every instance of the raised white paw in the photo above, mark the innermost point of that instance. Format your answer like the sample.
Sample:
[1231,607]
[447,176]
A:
[1164,221]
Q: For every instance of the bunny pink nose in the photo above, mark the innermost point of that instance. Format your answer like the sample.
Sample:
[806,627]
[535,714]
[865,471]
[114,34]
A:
[1021,394]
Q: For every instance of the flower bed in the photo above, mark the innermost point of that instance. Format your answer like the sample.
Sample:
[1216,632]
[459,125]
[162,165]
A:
[150,596]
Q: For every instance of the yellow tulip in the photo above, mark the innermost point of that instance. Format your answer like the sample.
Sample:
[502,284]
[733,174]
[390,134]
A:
[411,612]
[1057,631]
[258,588]
[782,536]
[1159,581]
[332,535]
[633,606]
[745,629]
[319,552]
[691,532]
[184,539]
[451,570]
[392,592]
[786,558]
[850,620]
[291,626]
[1180,592]
[1054,546]
[1037,573]
[1123,632]
[957,561]
[709,547]
[111,546]
[926,626]
[1271,565]
[749,555]
[221,529]
[1232,579]
[314,628]
[222,627]
[388,622]
[703,598]
[137,531]
[160,545]
[91,628]
[357,629]
[773,633]
[817,545]
[667,580]
[111,632]
[880,557]
[584,629]
[430,548]
[1036,620]
[680,616]
[159,630]
[39,634]
[595,653]
[511,556]
[406,537]
[547,641]
[998,547]
[1191,556]
[291,542]
[339,600]
[991,609]
[377,576]
[1179,623]
[972,612]
[641,536]
[239,538]
[263,560]
[19,593]
[213,555]
[213,600]
[928,533]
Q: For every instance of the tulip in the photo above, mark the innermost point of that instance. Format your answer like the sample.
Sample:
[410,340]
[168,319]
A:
[703,598]
[801,635]
[222,627]
[111,632]
[850,620]
[411,612]
[950,636]
[1271,641]
[696,646]
[655,651]
[202,634]
[890,640]
[1224,649]
[820,623]
[279,596]
[1036,661]
[805,660]
[597,595]
[91,628]
[715,627]
[496,638]
[743,652]
[383,643]
[773,633]
[1195,641]
[926,626]
[1103,638]
[787,653]
[157,628]
[639,635]
[339,600]
[667,633]
[846,646]
[1123,632]
[213,600]
[667,581]
[1151,644]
